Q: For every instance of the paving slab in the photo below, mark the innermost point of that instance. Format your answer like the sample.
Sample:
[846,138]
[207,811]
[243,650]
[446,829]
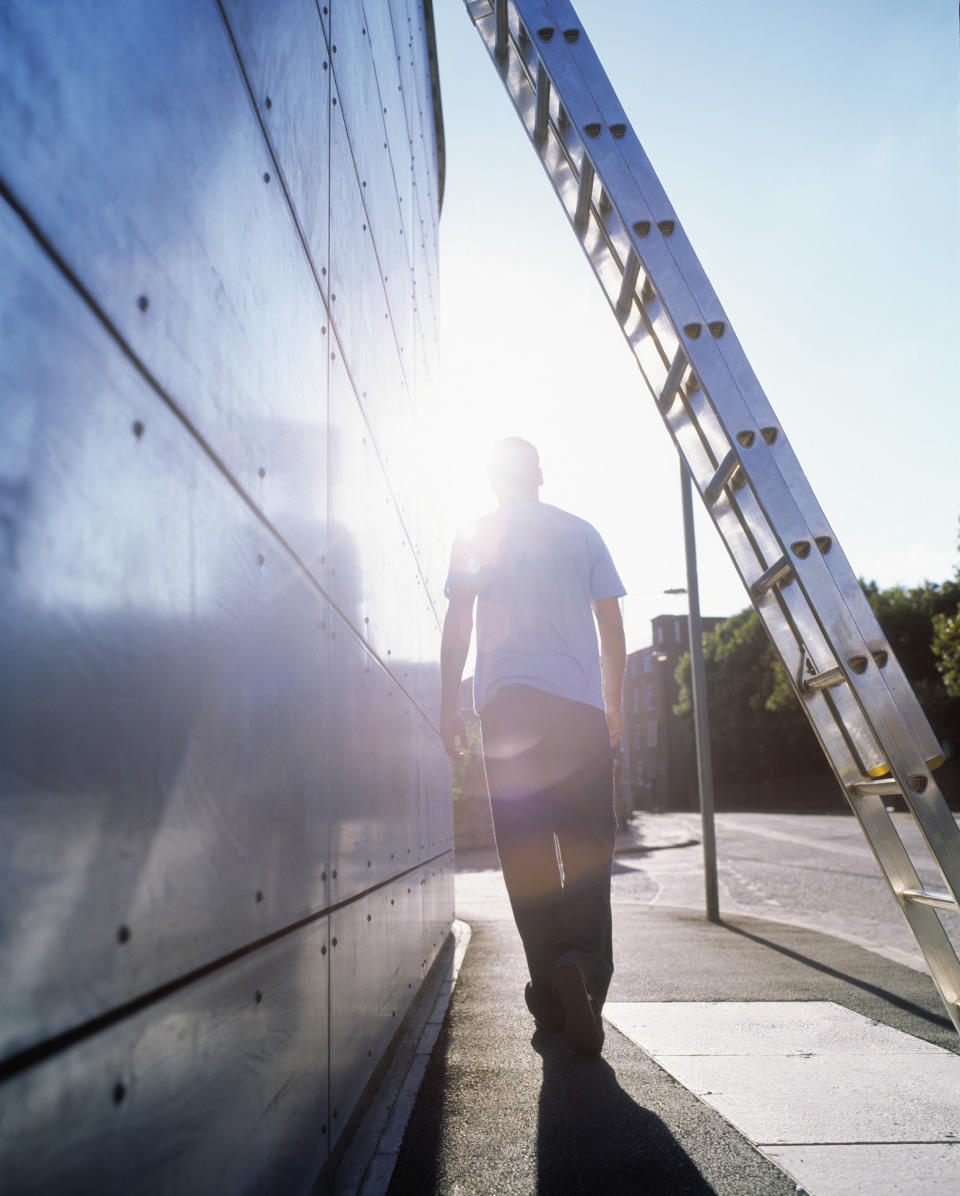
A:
[757,1029]
[799,1077]
[878,1169]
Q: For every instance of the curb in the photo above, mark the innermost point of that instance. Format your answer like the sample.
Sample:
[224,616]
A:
[369,1163]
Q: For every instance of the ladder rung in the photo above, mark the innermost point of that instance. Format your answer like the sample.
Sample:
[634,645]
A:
[776,573]
[500,45]
[729,467]
[939,899]
[543,105]
[885,786]
[825,680]
[672,383]
[584,194]
[628,286]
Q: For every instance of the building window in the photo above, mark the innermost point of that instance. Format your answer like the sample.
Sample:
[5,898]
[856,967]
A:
[636,701]
[651,698]
[638,738]
[677,631]
[648,663]
[652,734]
[658,635]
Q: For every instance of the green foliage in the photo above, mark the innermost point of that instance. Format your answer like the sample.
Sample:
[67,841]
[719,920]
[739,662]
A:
[911,619]
[946,650]
[757,729]
[946,646]
[757,725]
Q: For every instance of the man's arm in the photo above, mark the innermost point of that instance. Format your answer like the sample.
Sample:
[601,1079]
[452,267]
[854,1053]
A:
[454,646]
[613,662]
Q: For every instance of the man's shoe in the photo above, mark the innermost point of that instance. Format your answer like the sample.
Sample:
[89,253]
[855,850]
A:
[546,1009]
[584,1029]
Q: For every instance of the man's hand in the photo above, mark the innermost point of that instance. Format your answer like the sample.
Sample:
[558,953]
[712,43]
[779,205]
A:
[453,732]
[613,662]
[614,724]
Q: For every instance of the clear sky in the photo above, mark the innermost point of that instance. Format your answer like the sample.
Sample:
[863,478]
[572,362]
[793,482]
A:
[811,152]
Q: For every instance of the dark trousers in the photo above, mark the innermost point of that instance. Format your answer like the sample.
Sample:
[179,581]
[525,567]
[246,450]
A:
[550,777]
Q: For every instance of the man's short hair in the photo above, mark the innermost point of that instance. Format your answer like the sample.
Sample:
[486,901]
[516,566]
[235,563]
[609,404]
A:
[514,462]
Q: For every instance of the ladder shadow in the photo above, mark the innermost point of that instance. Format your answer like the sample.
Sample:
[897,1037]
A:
[877,990]
[592,1136]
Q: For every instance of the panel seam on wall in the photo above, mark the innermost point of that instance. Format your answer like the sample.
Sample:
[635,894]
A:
[31,1056]
[291,206]
[60,262]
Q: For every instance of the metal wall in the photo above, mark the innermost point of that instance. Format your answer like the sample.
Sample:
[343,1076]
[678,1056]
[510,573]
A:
[225,823]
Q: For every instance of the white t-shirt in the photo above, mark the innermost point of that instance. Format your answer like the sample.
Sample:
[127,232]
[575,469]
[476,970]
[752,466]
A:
[536,571]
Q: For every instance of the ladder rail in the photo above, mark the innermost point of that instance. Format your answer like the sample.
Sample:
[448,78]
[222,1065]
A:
[895,863]
[882,705]
[612,115]
[594,248]
[863,711]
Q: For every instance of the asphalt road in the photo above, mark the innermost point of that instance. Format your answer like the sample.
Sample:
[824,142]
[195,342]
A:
[813,870]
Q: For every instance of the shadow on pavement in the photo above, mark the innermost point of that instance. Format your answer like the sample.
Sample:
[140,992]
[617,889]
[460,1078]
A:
[593,1137]
[876,990]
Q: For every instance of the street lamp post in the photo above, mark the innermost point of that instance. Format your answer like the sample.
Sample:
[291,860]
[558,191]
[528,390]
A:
[700,718]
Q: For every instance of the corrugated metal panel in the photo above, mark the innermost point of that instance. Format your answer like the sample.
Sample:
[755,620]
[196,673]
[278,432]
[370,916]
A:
[219,584]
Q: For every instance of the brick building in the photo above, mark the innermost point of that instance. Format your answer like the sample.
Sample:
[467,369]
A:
[659,762]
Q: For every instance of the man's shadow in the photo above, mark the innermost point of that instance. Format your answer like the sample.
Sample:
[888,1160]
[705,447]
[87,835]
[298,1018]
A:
[593,1137]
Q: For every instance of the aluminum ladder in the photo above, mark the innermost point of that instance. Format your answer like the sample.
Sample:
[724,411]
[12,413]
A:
[847,679]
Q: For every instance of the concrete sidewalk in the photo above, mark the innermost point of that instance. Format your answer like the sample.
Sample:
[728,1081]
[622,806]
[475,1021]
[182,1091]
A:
[745,1058]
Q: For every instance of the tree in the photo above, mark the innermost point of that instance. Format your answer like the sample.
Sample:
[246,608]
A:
[757,729]
[946,646]
[910,619]
[946,650]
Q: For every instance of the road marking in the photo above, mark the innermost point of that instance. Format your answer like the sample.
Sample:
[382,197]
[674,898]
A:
[842,1103]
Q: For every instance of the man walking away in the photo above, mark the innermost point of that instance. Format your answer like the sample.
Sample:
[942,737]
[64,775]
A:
[549,707]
